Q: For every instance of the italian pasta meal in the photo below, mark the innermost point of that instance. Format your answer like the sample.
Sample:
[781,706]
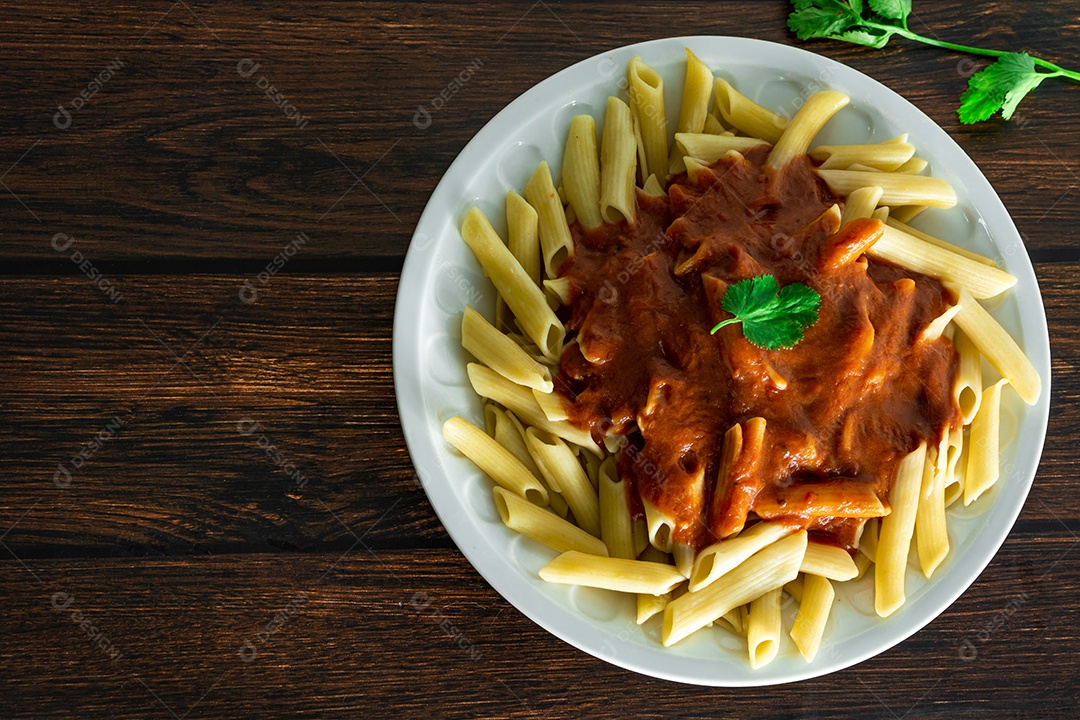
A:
[725,368]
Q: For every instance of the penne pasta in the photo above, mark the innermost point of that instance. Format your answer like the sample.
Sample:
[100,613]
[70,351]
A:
[696,170]
[720,558]
[707,149]
[828,561]
[520,400]
[937,327]
[491,417]
[581,171]
[650,605]
[632,576]
[910,252]
[564,474]
[556,244]
[894,221]
[696,97]
[571,216]
[646,89]
[814,608]
[763,628]
[559,290]
[914,166]
[998,347]
[641,536]
[652,187]
[828,498]
[529,347]
[592,468]
[795,588]
[868,541]
[618,165]
[894,539]
[508,432]
[860,203]
[956,447]
[982,466]
[906,213]
[806,124]
[886,157]
[502,354]
[684,558]
[496,461]
[558,503]
[651,554]
[897,189]
[745,115]
[737,483]
[931,535]
[639,144]
[955,466]
[863,563]
[544,526]
[524,240]
[660,526]
[504,319]
[737,620]
[713,126]
[616,523]
[967,390]
[552,405]
[523,297]
[767,570]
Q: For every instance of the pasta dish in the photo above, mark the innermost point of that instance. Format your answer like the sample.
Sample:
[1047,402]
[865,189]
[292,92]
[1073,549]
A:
[722,366]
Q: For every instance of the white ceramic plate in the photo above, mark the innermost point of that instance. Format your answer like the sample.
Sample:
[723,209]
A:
[440,276]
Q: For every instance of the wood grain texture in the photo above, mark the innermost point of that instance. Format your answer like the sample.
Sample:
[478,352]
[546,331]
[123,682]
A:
[420,634]
[178,155]
[243,474]
[176,462]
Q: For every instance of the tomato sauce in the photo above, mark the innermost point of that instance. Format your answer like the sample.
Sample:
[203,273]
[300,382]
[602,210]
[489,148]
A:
[860,391]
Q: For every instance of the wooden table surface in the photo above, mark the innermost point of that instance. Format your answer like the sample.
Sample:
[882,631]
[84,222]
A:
[208,509]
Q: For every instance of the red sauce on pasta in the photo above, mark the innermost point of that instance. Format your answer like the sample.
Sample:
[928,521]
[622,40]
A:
[841,408]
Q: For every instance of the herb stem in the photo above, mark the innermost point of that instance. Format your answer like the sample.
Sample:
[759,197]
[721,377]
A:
[1056,70]
[722,323]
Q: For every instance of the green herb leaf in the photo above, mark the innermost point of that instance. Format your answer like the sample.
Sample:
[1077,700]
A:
[815,23]
[772,318]
[822,19]
[861,37]
[891,9]
[837,20]
[999,86]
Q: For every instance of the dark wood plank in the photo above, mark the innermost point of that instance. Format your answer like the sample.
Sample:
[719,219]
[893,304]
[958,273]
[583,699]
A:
[310,361]
[99,390]
[420,634]
[178,155]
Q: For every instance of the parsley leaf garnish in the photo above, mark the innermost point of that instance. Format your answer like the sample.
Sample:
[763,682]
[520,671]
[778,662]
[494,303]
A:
[892,9]
[1000,86]
[772,318]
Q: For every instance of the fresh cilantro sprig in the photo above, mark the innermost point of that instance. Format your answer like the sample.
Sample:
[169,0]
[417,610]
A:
[1000,86]
[771,318]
